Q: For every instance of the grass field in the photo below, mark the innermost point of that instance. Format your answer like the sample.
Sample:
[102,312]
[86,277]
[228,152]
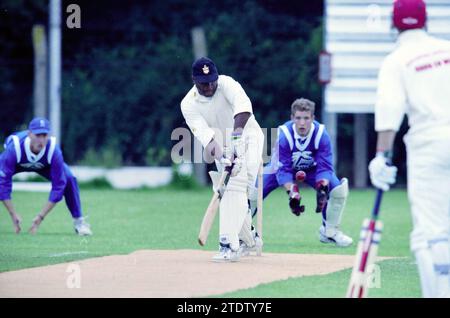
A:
[125,221]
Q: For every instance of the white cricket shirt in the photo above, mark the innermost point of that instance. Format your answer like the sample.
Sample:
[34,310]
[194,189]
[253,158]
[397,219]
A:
[209,117]
[415,80]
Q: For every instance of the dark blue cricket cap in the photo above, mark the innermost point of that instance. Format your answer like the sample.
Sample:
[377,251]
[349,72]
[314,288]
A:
[204,70]
[39,125]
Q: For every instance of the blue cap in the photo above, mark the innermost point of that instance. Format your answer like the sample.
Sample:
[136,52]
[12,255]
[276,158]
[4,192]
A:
[204,70]
[39,125]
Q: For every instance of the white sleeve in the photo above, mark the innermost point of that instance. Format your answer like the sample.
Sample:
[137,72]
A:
[391,104]
[236,96]
[197,124]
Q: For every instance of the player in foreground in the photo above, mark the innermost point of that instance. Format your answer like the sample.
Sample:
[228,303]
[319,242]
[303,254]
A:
[219,114]
[303,154]
[34,150]
[414,80]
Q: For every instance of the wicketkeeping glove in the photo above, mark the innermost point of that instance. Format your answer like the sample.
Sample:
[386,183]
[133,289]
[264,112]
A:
[294,200]
[381,174]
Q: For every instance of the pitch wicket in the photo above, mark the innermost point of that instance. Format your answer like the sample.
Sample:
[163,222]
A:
[259,216]
[366,252]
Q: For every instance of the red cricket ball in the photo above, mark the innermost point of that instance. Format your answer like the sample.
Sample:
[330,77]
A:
[300,176]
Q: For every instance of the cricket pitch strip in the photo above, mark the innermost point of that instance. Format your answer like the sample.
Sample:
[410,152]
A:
[164,273]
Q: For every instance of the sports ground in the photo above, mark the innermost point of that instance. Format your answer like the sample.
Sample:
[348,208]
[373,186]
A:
[140,235]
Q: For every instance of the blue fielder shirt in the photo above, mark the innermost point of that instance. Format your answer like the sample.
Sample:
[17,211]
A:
[312,154]
[18,157]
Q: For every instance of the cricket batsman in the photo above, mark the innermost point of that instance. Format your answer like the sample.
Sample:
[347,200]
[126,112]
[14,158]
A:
[219,114]
[303,153]
[414,80]
[34,150]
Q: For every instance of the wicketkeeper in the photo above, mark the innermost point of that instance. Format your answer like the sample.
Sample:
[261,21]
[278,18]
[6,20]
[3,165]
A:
[34,150]
[303,144]
[219,114]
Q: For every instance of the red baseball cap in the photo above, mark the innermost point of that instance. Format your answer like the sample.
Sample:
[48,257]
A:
[409,14]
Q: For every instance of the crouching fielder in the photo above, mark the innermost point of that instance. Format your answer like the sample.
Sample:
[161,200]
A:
[35,151]
[219,114]
[304,145]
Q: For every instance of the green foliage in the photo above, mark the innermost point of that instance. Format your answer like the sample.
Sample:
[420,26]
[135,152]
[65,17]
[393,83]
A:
[97,183]
[127,92]
[182,181]
[34,178]
[17,18]
[122,83]
[106,157]
[124,102]
[273,56]
[157,156]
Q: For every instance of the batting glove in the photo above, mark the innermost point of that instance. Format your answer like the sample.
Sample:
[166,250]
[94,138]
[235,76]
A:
[381,174]
[233,155]
[225,162]
[234,165]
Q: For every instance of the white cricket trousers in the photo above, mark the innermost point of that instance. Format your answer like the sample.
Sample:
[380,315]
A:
[429,195]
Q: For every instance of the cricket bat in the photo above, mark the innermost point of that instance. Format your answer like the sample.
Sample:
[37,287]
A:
[366,252]
[211,211]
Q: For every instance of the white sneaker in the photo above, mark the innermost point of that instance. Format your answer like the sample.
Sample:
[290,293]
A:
[339,238]
[226,254]
[82,227]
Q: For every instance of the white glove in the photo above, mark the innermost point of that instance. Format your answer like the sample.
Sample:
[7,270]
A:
[234,155]
[381,174]
[236,163]
[224,161]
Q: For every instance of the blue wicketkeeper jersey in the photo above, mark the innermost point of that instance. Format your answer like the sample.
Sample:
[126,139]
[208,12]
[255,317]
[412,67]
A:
[18,157]
[312,154]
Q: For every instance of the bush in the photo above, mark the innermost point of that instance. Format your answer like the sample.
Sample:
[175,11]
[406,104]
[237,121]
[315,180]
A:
[157,156]
[98,183]
[107,157]
[183,180]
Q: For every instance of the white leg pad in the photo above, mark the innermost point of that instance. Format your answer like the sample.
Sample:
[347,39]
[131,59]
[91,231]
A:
[233,210]
[424,260]
[234,204]
[253,200]
[254,143]
[239,182]
[441,263]
[426,272]
[336,206]
[246,234]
